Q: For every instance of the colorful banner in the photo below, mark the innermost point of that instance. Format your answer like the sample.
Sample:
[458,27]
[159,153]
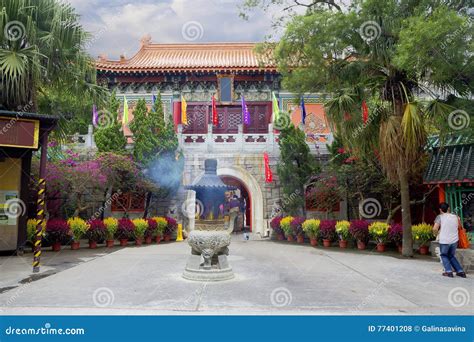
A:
[215,117]
[303,111]
[245,112]
[125,112]
[268,170]
[184,108]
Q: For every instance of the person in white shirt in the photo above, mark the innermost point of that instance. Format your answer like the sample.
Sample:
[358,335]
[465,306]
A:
[447,225]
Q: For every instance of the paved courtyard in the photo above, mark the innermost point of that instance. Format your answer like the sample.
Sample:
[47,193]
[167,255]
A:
[271,278]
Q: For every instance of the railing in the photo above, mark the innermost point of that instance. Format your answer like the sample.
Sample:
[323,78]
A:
[244,142]
[220,142]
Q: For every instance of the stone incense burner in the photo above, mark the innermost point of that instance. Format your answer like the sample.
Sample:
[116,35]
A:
[210,239]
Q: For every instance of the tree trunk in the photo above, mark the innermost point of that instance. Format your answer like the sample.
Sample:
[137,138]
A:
[407,248]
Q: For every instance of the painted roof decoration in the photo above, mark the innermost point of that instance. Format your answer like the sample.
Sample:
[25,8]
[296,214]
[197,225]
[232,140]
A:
[189,57]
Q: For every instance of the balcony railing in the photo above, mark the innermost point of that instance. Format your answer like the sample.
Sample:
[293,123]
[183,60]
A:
[211,142]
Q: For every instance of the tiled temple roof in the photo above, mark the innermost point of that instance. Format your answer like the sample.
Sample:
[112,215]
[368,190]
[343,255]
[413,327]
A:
[212,57]
[451,164]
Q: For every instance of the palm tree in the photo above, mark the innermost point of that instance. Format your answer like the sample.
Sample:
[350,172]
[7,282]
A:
[42,51]
[381,55]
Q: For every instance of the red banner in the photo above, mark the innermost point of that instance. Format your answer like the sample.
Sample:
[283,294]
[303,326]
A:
[268,171]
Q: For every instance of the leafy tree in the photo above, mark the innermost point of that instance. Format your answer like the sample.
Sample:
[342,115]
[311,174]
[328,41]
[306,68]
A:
[43,52]
[144,140]
[108,135]
[295,168]
[383,53]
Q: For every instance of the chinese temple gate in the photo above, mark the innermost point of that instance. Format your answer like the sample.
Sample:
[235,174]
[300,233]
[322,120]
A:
[227,71]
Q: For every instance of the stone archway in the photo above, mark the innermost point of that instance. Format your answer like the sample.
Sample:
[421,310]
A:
[256,194]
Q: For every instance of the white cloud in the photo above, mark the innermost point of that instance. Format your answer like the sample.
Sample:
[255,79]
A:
[120,24]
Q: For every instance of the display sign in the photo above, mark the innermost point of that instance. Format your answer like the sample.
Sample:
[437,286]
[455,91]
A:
[21,133]
[8,198]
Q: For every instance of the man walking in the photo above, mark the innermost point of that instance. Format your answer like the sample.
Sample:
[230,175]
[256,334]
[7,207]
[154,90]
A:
[447,225]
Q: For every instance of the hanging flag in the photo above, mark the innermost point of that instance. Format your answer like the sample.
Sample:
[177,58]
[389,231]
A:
[268,171]
[215,117]
[95,116]
[365,112]
[303,111]
[125,112]
[276,108]
[245,112]
[184,107]
[153,100]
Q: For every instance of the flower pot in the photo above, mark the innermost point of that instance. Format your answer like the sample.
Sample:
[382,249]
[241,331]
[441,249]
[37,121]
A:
[313,242]
[424,250]
[399,247]
[167,238]
[361,245]
[109,243]
[75,245]
[342,243]
[138,241]
[148,240]
[92,244]
[158,238]
[56,246]
[300,239]
[381,247]
[290,238]
[280,237]
[326,243]
[123,242]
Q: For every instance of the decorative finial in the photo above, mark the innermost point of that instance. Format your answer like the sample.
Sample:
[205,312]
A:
[102,57]
[146,40]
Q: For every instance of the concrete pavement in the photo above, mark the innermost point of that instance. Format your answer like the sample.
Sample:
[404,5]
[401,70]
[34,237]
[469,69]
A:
[271,278]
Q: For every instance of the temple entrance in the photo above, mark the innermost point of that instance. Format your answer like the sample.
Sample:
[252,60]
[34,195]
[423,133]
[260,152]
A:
[243,193]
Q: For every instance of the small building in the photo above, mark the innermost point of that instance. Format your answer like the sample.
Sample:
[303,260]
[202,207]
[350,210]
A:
[451,168]
[20,135]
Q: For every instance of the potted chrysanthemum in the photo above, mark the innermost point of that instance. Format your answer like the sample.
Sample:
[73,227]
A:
[141,225]
[327,231]
[111,225]
[297,226]
[124,231]
[342,231]
[422,234]
[57,231]
[395,235]
[379,232]
[161,224]
[311,229]
[275,225]
[359,230]
[285,224]
[96,232]
[150,231]
[78,228]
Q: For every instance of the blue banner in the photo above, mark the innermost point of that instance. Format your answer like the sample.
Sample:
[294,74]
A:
[237,328]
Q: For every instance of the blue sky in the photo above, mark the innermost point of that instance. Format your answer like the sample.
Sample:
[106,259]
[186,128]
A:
[118,25]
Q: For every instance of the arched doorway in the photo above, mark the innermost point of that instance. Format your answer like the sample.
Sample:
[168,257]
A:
[244,195]
[255,194]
